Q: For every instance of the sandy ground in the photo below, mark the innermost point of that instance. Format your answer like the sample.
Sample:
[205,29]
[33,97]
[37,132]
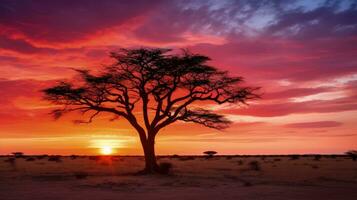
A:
[193,178]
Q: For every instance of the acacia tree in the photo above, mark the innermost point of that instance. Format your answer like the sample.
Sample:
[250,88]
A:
[163,87]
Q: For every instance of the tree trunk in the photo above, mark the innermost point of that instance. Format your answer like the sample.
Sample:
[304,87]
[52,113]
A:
[150,157]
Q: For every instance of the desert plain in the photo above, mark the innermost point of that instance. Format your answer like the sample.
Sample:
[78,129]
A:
[191,177]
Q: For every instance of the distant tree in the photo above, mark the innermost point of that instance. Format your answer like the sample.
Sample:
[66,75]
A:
[151,89]
[18,154]
[352,154]
[210,154]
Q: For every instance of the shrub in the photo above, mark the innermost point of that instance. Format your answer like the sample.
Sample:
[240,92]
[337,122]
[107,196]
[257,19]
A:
[254,165]
[277,159]
[175,156]
[73,157]
[352,154]
[55,158]
[30,159]
[240,162]
[165,167]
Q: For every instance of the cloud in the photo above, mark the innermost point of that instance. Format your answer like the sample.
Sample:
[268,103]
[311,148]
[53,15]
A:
[319,124]
[64,21]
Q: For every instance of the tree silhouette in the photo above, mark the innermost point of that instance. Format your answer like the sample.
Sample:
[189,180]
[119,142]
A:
[163,87]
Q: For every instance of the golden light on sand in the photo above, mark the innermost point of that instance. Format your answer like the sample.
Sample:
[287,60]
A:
[106,150]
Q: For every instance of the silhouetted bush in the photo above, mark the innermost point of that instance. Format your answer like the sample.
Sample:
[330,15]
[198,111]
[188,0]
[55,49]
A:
[294,157]
[73,157]
[30,159]
[165,167]
[81,175]
[277,159]
[240,162]
[254,165]
[352,154]
[55,159]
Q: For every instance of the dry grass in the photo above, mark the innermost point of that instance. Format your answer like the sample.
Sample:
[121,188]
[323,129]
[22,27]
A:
[230,178]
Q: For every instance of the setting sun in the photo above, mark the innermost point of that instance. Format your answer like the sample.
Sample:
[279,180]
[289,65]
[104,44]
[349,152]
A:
[106,150]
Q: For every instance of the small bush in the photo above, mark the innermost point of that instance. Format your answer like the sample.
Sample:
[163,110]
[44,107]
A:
[81,175]
[254,165]
[352,154]
[165,167]
[30,159]
[175,156]
[73,157]
[277,159]
[240,162]
[55,159]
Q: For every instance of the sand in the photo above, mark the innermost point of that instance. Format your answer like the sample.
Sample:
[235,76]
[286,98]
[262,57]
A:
[191,178]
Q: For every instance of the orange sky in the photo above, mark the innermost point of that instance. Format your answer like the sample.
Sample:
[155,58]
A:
[302,54]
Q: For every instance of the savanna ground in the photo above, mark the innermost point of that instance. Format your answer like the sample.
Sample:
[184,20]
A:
[220,177]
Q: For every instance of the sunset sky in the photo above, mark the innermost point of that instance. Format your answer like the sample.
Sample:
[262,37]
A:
[302,53]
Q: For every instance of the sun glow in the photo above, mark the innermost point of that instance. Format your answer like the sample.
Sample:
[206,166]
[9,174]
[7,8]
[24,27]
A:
[107,146]
[106,150]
